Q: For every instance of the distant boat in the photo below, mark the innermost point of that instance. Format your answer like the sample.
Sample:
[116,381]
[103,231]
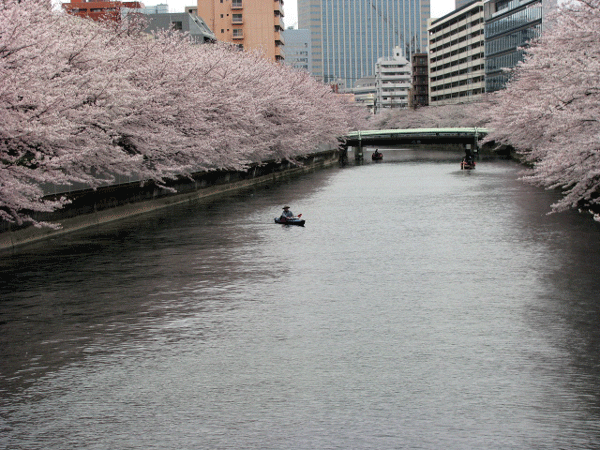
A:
[467,164]
[377,156]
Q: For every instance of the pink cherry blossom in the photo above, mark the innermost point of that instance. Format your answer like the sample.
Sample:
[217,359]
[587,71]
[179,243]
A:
[82,102]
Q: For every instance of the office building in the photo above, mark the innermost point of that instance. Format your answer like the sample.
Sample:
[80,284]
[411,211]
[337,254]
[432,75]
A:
[509,26]
[456,56]
[99,10]
[349,36]
[297,49]
[393,81]
[251,24]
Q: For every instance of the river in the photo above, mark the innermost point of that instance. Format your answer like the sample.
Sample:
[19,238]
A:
[421,307]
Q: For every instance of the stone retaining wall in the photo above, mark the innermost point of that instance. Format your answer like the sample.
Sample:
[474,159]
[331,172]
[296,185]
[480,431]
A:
[93,207]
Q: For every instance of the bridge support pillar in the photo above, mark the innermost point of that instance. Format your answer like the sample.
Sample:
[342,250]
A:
[358,152]
[343,155]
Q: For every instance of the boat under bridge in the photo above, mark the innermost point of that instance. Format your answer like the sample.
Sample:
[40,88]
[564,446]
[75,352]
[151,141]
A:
[466,138]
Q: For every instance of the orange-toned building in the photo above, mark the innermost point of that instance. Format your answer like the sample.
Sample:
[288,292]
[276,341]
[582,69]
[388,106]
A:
[98,10]
[251,24]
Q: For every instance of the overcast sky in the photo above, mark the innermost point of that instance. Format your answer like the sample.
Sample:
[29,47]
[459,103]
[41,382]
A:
[290,9]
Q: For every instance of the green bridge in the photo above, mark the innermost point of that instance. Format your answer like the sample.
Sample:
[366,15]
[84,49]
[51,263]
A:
[468,137]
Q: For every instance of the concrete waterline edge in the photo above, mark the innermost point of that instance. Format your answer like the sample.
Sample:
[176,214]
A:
[220,184]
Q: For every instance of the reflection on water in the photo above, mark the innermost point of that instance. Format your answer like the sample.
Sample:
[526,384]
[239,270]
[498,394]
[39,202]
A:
[421,307]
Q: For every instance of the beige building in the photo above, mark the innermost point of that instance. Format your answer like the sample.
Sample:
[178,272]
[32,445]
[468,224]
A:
[250,24]
[456,56]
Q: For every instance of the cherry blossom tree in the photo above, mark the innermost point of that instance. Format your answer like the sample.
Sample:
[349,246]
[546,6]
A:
[464,115]
[82,102]
[550,110]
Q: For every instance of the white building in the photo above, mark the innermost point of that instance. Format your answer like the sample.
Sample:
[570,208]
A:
[365,92]
[393,81]
[161,8]
[456,56]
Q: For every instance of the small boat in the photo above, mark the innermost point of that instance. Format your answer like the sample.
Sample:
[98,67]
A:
[377,156]
[290,221]
[467,164]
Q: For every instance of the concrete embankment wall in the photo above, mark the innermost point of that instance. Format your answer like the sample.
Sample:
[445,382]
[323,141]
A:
[93,207]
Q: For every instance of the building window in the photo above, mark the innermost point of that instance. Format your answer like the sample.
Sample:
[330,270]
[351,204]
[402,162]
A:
[236,4]
[237,18]
[238,33]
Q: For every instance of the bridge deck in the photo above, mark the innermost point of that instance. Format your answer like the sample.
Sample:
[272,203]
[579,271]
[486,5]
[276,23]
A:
[413,132]
[467,137]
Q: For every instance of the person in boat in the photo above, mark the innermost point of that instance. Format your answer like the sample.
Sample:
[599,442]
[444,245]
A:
[287,214]
[376,154]
[468,160]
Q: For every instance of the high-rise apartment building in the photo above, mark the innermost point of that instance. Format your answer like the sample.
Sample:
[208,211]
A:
[509,26]
[456,56]
[349,36]
[251,24]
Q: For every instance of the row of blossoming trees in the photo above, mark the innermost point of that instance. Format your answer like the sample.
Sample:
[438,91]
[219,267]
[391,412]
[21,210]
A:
[82,101]
[549,112]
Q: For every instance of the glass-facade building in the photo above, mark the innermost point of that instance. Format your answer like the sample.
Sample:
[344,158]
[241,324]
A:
[509,26]
[349,36]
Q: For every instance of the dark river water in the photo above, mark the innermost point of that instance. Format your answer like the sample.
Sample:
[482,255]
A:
[421,307]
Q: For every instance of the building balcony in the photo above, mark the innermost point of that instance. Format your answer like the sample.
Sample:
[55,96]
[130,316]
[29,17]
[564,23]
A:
[392,83]
[394,75]
[278,7]
[458,89]
[278,37]
[465,70]
[279,54]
